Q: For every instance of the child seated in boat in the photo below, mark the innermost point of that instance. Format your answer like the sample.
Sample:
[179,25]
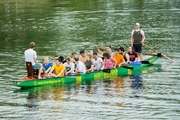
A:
[69,66]
[58,68]
[133,56]
[47,65]
[108,61]
[89,63]
[80,69]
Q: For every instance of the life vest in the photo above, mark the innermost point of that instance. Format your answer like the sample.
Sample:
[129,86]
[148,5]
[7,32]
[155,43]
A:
[137,37]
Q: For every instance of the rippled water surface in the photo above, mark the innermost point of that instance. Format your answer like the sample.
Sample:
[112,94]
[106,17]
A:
[61,26]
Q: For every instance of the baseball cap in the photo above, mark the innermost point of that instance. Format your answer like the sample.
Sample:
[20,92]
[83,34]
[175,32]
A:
[137,24]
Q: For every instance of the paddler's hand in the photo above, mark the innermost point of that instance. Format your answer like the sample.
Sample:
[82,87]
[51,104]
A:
[142,42]
[56,76]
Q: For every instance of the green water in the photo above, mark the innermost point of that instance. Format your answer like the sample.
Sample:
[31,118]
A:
[61,26]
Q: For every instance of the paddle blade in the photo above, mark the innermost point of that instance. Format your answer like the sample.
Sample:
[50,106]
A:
[145,62]
[128,67]
[106,70]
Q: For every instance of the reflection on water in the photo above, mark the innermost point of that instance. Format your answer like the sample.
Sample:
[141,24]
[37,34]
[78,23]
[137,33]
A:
[32,105]
[136,85]
[60,26]
[115,88]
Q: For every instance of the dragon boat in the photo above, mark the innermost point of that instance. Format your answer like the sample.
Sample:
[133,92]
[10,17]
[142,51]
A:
[130,69]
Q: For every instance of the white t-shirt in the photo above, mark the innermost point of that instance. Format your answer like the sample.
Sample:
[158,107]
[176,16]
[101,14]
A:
[68,67]
[81,67]
[30,54]
[141,31]
[97,63]
[111,54]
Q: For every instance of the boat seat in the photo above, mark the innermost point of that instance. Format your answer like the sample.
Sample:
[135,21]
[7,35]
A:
[30,71]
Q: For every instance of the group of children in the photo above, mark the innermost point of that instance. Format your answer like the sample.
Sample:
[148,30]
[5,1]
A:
[89,62]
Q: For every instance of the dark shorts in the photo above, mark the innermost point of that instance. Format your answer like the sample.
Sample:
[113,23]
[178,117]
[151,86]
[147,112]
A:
[137,48]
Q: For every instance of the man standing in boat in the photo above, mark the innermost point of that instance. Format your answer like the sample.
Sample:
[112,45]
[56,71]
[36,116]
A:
[31,56]
[137,39]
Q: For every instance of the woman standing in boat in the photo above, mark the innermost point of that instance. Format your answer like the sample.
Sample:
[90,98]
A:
[108,61]
[133,56]
[58,68]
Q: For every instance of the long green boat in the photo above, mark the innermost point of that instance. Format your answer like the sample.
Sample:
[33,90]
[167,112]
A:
[97,75]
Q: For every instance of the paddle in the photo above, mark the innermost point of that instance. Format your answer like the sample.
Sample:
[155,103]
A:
[106,70]
[128,67]
[145,62]
[158,52]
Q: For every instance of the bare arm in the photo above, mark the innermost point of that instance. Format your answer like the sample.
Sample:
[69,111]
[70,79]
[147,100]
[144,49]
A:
[121,63]
[131,40]
[101,65]
[78,70]
[115,62]
[35,60]
[91,69]
[143,38]
[127,57]
[136,59]
[104,63]
[60,73]
[70,70]
[50,71]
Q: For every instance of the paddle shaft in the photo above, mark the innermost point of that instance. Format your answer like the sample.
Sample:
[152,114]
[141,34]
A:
[150,48]
[168,58]
[158,52]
